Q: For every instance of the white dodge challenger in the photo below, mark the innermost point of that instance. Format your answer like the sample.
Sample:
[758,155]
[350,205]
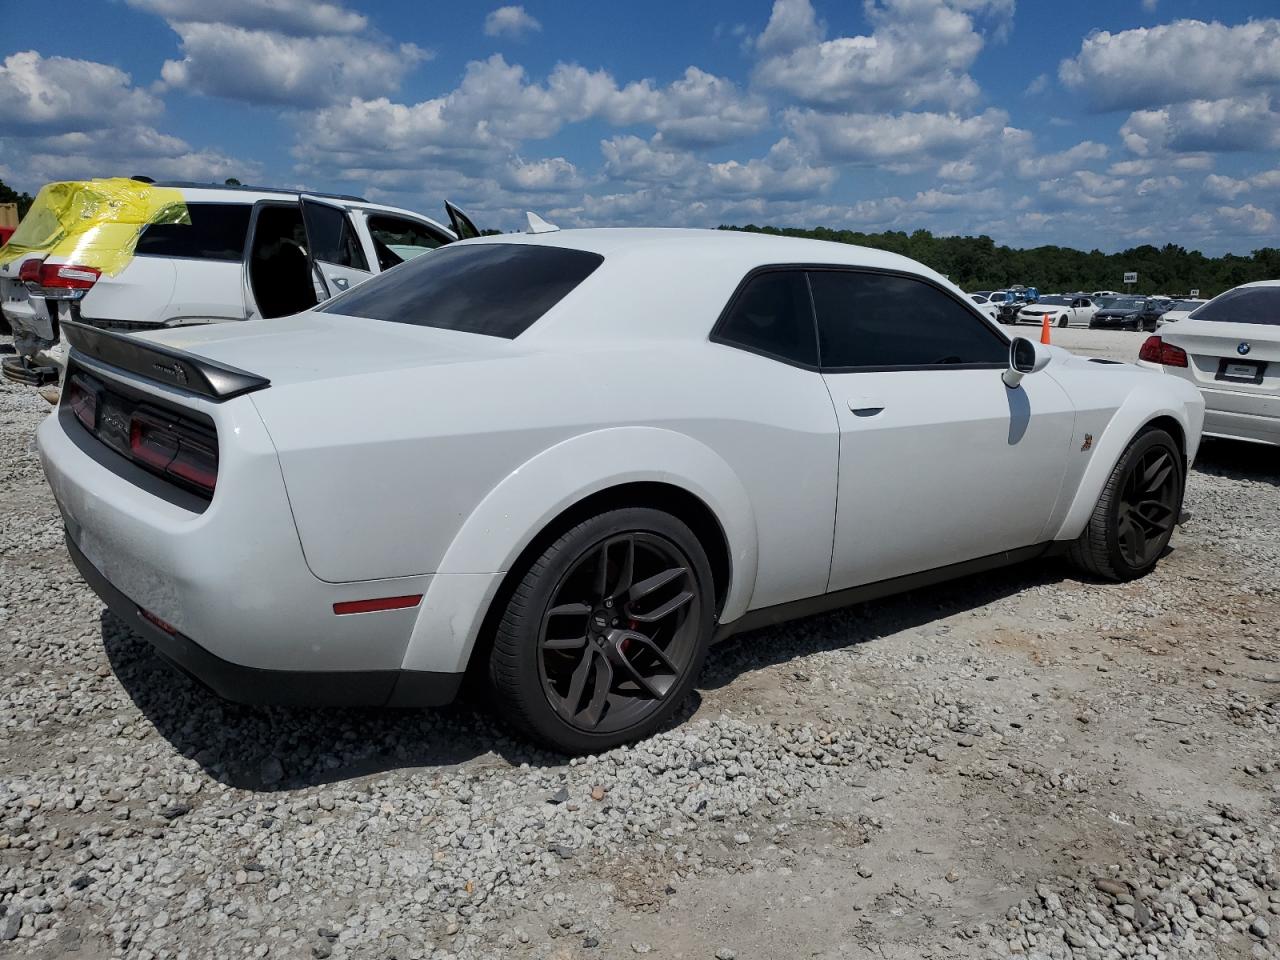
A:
[571,461]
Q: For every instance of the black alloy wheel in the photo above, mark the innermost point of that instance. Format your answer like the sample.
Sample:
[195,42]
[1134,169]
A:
[606,632]
[1134,518]
[1148,505]
[621,631]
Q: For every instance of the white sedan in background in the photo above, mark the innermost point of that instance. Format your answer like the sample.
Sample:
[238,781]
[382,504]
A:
[1062,311]
[986,305]
[1230,349]
[571,461]
[1180,310]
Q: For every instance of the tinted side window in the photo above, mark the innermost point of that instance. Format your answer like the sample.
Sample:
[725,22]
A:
[1244,305]
[216,232]
[396,240]
[877,320]
[333,239]
[497,289]
[772,314]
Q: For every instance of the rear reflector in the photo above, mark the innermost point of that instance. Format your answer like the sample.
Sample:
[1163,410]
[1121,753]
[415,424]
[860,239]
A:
[376,604]
[162,624]
[1155,350]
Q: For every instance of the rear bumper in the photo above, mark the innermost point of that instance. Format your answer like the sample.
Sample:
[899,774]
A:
[254,685]
[1232,425]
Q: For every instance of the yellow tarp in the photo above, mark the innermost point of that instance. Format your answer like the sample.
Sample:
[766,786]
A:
[93,223]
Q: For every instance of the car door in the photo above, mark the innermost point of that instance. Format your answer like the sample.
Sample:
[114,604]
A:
[940,462]
[333,246]
[463,227]
[394,239]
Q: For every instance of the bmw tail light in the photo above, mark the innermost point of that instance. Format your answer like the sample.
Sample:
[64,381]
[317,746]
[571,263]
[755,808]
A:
[175,450]
[1155,350]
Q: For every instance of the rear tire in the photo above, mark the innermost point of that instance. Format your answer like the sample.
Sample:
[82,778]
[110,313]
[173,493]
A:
[634,664]
[1135,516]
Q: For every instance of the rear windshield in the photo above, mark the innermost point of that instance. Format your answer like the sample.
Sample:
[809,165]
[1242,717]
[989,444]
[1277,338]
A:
[216,232]
[496,289]
[1244,305]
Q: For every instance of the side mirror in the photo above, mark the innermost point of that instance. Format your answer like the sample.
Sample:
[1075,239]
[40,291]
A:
[1025,356]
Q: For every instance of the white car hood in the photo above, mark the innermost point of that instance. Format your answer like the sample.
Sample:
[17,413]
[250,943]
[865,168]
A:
[316,346]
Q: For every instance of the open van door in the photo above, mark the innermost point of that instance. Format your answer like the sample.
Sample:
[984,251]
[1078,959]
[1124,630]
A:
[337,257]
[462,225]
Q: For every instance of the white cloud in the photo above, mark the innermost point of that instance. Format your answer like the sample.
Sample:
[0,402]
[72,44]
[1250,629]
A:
[785,172]
[1063,161]
[1037,86]
[262,66]
[633,159]
[57,94]
[1231,124]
[1250,219]
[551,173]
[1150,5]
[917,54]
[913,138]
[1175,62]
[295,17]
[126,151]
[513,21]
[1229,188]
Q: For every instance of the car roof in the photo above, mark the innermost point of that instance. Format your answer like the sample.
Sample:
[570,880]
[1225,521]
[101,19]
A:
[218,193]
[674,282]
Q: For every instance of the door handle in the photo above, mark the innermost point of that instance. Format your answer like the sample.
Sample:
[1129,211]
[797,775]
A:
[865,407]
[340,282]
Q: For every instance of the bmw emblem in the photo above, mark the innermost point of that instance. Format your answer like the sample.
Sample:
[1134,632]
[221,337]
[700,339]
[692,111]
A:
[1243,349]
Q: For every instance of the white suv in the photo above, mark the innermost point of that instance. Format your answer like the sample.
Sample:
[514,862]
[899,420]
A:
[248,252]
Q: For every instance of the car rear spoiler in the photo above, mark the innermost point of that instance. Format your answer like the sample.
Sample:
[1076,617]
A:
[161,364]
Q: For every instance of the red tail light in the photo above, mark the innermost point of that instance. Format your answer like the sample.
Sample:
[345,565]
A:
[68,276]
[174,450]
[83,401]
[29,272]
[1155,350]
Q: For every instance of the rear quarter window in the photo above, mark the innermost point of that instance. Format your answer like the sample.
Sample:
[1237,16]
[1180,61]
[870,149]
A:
[216,232]
[494,289]
[1243,305]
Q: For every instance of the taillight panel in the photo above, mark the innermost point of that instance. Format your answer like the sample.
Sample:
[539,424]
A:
[58,281]
[1155,350]
[181,447]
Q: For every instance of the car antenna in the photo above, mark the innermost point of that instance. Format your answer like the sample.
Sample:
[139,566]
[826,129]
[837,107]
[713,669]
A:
[538,225]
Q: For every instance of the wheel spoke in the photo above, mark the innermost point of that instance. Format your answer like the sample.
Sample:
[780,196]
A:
[594,710]
[578,683]
[564,643]
[1132,540]
[602,570]
[627,572]
[664,610]
[656,686]
[570,610]
[1155,476]
[659,580]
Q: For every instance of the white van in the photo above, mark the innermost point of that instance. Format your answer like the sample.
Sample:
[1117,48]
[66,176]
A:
[248,252]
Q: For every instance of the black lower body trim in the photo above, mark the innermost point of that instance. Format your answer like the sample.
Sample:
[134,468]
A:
[255,685]
[809,606]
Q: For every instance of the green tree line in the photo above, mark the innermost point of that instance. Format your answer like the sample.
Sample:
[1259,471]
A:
[9,195]
[976,263]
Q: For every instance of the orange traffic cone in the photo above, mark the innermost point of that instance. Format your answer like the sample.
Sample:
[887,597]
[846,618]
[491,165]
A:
[1044,330]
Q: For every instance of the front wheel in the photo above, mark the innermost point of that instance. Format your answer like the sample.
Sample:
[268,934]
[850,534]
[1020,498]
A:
[606,633]
[1062,321]
[1134,518]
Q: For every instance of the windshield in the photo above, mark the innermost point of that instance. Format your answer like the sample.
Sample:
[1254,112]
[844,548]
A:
[1053,301]
[1124,303]
[1243,305]
[1186,304]
[495,289]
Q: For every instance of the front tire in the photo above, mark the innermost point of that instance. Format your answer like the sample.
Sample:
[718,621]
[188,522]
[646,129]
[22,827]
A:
[1135,516]
[605,634]
[1062,321]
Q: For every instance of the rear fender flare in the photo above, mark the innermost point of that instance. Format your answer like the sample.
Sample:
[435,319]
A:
[1140,407]
[531,496]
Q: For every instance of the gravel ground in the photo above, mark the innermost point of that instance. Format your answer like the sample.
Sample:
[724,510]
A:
[1022,763]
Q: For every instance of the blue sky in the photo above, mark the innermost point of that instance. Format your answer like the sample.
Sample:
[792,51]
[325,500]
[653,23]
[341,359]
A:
[1089,124]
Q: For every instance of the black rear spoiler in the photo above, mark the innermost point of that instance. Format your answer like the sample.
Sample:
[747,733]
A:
[161,364]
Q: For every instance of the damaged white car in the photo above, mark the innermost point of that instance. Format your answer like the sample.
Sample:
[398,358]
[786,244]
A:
[130,255]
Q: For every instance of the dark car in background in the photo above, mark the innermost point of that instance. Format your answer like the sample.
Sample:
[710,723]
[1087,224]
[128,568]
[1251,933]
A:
[1129,313]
